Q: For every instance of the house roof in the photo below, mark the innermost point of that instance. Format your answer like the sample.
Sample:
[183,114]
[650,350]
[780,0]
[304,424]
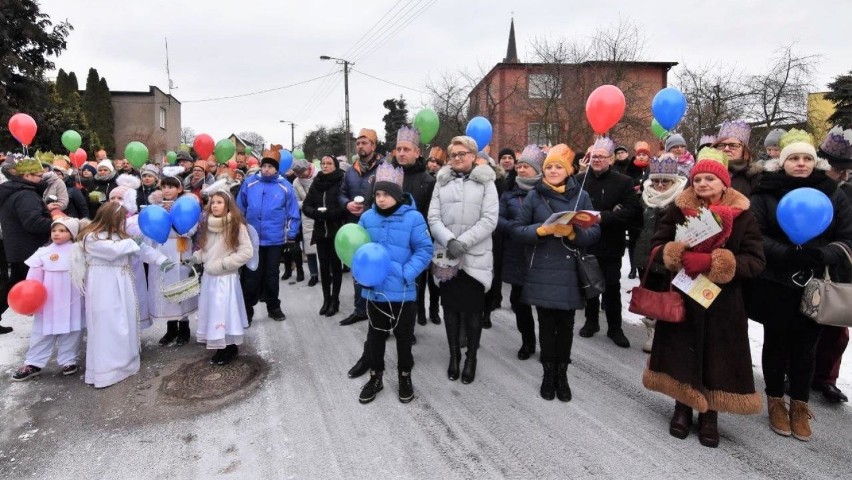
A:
[150,93]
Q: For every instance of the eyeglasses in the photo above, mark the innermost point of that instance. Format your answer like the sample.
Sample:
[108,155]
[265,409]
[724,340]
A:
[458,155]
[661,181]
[600,157]
[732,146]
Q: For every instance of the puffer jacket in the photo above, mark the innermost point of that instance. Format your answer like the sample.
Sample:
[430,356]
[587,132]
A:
[23,218]
[552,280]
[405,236]
[466,209]
[514,266]
[270,206]
[355,183]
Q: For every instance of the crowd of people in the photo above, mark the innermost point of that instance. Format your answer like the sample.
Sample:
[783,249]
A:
[460,223]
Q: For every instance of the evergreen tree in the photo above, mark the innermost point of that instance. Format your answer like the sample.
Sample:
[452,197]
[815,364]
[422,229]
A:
[66,112]
[107,131]
[396,117]
[97,106]
[841,95]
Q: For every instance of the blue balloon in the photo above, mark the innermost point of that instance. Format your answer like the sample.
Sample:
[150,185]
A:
[185,214]
[155,223]
[370,264]
[286,161]
[479,128]
[668,107]
[804,213]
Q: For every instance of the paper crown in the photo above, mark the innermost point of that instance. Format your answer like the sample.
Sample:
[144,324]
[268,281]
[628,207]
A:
[387,173]
[838,144]
[708,153]
[532,153]
[408,134]
[605,143]
[707,140]
[795,136]
[665,165]
[738,129]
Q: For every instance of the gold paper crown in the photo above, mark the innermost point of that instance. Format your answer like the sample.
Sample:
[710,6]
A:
[794,136]
[708,153]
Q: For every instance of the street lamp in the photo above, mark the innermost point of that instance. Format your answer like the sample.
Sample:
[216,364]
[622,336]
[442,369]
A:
[292,134]
[345,64]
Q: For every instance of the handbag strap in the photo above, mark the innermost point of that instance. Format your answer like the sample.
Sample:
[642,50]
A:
[843,248]
[653,255]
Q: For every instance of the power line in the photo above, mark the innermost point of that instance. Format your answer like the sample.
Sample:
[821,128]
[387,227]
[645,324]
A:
[387,81]
[260,91]
[382,31]
[403,23]
[370,30]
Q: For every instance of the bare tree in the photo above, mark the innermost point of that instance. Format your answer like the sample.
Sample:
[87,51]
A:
[254,139]
[780,95]
[187,135]
[714,93]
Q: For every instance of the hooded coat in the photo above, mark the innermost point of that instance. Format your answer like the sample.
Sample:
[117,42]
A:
[705,361]
[24,219]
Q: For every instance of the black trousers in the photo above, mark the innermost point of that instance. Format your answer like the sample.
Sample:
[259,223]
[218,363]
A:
[611,267]
[18,272]
[434,294]
[330,268]
[421,293]
[264,280]
[555,334]
[523,315]
[378,314]
[789,346]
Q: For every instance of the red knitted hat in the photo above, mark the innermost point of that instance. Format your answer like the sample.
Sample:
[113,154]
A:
[712,161]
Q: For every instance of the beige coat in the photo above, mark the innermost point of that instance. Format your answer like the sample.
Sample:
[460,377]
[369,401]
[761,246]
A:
[218,259]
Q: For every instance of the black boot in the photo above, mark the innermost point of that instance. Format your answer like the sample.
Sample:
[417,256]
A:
[452,326]
[171,333]
[371,388]
[313,281]
[548,380]
[326,302]
[486,320]
[590,328]
[183,333]
[217,357]
[360,368]
[333,307]
[708,429]
[563,390]
[300,272]
[616,334]
[406,389]
[288,272]
[681,421]
[473,322]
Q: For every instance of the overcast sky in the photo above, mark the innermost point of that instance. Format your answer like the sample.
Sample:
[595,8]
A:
[225,48]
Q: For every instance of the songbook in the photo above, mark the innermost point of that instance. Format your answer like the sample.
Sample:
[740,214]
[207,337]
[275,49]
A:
[582,219]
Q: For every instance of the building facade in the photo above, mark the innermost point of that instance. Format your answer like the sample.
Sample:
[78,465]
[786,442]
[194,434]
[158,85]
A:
[152,117]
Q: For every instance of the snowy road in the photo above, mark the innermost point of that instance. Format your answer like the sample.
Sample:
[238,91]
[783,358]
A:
[304,421]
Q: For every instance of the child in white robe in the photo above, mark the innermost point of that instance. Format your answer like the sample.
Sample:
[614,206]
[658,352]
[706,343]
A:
[225,246]
[111,305]
[59,323]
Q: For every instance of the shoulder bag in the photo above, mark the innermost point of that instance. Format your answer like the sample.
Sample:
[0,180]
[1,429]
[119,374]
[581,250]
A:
[827,302]
[664,306]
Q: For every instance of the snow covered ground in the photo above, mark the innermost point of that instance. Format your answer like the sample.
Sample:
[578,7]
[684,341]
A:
[304,420]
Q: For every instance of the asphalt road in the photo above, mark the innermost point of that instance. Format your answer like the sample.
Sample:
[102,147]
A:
[300,416]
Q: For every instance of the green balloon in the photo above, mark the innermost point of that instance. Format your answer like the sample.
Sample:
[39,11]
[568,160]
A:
[136,153]
[298,154]
[348,239]
[171,157]
[248,151]
[71,140]
[224,150]
[658,129]
[427,123]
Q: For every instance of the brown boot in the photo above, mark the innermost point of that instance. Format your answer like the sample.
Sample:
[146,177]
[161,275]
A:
[681,421]
[708,429]
[779,417]
[800,415]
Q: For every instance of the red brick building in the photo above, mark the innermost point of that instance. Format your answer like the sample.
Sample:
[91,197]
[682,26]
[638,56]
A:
[544,103]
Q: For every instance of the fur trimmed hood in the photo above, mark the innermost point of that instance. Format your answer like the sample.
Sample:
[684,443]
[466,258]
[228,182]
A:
[731,198]
[480,174]
[774,165]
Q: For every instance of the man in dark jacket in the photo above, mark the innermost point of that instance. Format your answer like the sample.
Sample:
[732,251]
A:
[613,195]
[358,182]
[25,222]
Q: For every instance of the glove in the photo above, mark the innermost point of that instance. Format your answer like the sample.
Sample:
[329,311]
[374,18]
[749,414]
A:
[138,240]
[695,263]
[455,249]
[166,266]
[806,257]
[564,231]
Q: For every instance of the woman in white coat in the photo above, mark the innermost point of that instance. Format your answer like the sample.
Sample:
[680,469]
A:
[462,216]
[305,174]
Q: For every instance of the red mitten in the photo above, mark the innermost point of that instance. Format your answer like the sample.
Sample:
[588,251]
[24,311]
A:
[695,263]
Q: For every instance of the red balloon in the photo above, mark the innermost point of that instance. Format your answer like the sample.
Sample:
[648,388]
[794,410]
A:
[204,146]
[232,164]
[78,157]
[23,128]
[27,297]
[605,107]
[252,162]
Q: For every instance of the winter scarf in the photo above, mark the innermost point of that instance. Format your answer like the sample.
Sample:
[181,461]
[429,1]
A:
[105,178]
[654,199]
[731,205]
[527,183]
[324,181]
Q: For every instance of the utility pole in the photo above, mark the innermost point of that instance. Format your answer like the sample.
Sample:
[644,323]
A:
[346,65]
[292,134]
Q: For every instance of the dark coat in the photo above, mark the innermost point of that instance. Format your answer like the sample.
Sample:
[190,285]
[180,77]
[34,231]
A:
[24,219]
[77,204]
[779,270]
[143,192]
[324,192]
[419,184]
[630,169]
[613,195]
[705,362]
[744,181]
[355,183]
[514,267]
[552,280]
[99,193]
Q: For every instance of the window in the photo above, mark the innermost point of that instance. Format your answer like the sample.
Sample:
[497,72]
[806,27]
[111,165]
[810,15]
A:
[162,118]
[544,85]
[542,133]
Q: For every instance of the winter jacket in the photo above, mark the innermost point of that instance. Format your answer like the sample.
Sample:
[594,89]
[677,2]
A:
[358,183]
[301,186]
[77,205]
[466,208]
[552,280]
[56,188]
[142,194]
[514,266]
[270,206]
[613,195]
[24,219]
[628,168]
[406,238]
[324,193]
[746,179]
[417,181]
[218,259]
[99,192]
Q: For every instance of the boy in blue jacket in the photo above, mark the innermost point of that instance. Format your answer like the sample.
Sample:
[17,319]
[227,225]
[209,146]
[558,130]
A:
[394,223]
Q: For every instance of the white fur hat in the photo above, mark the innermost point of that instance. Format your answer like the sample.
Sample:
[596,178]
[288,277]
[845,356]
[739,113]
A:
[126,191]
[107,163]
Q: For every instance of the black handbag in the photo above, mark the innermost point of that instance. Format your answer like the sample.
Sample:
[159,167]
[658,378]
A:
[589,273]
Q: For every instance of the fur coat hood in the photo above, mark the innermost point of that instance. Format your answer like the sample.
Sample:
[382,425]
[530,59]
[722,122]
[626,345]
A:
[480,174]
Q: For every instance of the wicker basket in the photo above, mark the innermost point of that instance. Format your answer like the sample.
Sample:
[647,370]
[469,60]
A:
[183,289]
